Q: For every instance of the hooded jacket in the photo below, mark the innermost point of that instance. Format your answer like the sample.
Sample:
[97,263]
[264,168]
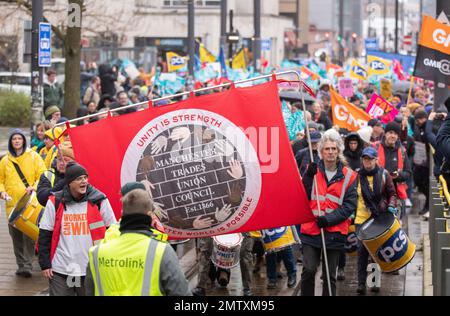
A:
[32,167]
[353,157]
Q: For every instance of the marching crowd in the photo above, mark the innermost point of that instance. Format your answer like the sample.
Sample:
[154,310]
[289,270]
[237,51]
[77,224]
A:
[82,249]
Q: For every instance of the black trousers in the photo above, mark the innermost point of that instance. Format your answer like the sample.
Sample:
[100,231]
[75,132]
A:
[363,260]
[311,261]
[422,180]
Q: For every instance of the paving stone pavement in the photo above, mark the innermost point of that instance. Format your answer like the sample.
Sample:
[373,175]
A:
[10,284]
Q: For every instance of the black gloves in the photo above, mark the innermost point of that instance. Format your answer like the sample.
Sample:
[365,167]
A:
[322,221]
[311,170]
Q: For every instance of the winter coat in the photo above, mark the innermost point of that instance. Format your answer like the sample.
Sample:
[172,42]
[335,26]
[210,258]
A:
[443,139]
[391,159]
[45,236]
[32,167]
[53,95]
[333,240]
[323,119]
[45,187]
[353,157]
[303,159]
[389,197]
[438,157]
[91,94]
[107,79]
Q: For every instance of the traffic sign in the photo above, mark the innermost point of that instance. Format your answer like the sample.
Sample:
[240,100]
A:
[266,44]
[371,43]
[45,45]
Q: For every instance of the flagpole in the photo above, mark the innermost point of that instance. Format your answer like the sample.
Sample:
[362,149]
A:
[168,97]
[317,191]
[410,88]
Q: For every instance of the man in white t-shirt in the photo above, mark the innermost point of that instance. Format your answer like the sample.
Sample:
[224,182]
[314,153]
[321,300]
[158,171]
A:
[74,220]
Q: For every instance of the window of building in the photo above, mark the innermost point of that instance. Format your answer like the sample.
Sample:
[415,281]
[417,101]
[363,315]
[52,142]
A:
[198,3]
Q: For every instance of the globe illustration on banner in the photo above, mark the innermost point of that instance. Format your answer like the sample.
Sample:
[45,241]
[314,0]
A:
[200,169]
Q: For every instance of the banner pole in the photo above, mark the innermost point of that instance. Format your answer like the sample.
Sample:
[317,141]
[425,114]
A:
[184,93]
[410,88]
[324,246]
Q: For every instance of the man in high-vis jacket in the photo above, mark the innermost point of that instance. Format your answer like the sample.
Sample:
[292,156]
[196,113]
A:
[135,263]
[392,157]
[337,196]
[74,220]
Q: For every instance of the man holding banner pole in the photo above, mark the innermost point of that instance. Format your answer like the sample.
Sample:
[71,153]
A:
[331,190]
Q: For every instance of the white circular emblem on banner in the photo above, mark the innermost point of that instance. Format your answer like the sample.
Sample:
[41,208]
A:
[201,170]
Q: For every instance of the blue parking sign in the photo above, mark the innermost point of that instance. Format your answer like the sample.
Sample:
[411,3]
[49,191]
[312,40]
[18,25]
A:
[371,43]
[266,44]
[45,45]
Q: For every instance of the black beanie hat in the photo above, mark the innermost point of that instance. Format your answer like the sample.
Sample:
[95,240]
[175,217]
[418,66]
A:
[130,186]
[392,126]
[73,171]
[420,115]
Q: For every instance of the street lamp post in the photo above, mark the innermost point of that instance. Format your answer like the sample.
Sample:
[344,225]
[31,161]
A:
[396,26]
[191,37]
[36,71]
[341,31]
[257,37]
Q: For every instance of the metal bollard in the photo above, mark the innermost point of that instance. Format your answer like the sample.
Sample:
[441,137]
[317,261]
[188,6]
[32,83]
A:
[439,227]
[434,210]
[443,240]
[447,283]
[445,266]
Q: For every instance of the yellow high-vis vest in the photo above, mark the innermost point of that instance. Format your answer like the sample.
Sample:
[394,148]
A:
[127,266]
[113,232]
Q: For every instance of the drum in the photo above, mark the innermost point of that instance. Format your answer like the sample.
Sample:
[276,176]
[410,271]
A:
[26,215]
[351,243]
[277,239]
[386,242]
[226,248]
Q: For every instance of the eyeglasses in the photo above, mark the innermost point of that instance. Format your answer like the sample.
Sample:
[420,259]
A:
[81,178]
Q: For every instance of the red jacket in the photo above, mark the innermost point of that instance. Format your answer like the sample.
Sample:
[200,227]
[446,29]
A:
[331,197]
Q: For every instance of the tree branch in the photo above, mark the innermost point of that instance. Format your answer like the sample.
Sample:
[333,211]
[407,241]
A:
[27,5]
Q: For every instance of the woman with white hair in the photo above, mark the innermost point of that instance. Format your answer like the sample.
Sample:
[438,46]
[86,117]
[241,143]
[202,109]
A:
[332,198]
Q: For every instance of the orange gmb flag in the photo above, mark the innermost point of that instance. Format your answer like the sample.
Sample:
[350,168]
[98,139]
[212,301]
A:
[346,115]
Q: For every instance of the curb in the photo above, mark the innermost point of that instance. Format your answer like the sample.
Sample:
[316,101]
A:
[427,274]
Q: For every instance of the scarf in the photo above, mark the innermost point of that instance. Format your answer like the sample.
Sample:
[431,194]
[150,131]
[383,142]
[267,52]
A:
[135,222]
[372,198]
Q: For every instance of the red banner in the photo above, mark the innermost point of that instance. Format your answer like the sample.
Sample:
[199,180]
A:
[214,164]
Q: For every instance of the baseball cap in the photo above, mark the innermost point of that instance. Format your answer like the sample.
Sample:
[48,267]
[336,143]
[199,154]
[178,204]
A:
[369,152]
[315,137]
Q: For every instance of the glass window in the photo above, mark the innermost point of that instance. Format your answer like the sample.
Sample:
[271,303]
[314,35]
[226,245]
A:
[198,3]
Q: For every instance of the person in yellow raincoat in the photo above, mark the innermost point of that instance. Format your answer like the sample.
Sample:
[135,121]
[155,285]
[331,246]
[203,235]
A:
[13,188]
[50,151]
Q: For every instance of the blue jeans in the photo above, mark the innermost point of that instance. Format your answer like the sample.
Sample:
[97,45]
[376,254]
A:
[289,262]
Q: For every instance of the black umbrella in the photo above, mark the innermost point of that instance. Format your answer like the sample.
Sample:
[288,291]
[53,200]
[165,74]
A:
[295,96]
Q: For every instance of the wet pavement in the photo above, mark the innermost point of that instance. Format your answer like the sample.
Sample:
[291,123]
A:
[10,284]
[408,282]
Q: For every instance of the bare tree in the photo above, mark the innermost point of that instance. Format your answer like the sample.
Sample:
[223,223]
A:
[70,36]
[66,26]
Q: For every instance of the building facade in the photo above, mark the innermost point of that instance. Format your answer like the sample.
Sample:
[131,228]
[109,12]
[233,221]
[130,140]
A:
[161,24]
